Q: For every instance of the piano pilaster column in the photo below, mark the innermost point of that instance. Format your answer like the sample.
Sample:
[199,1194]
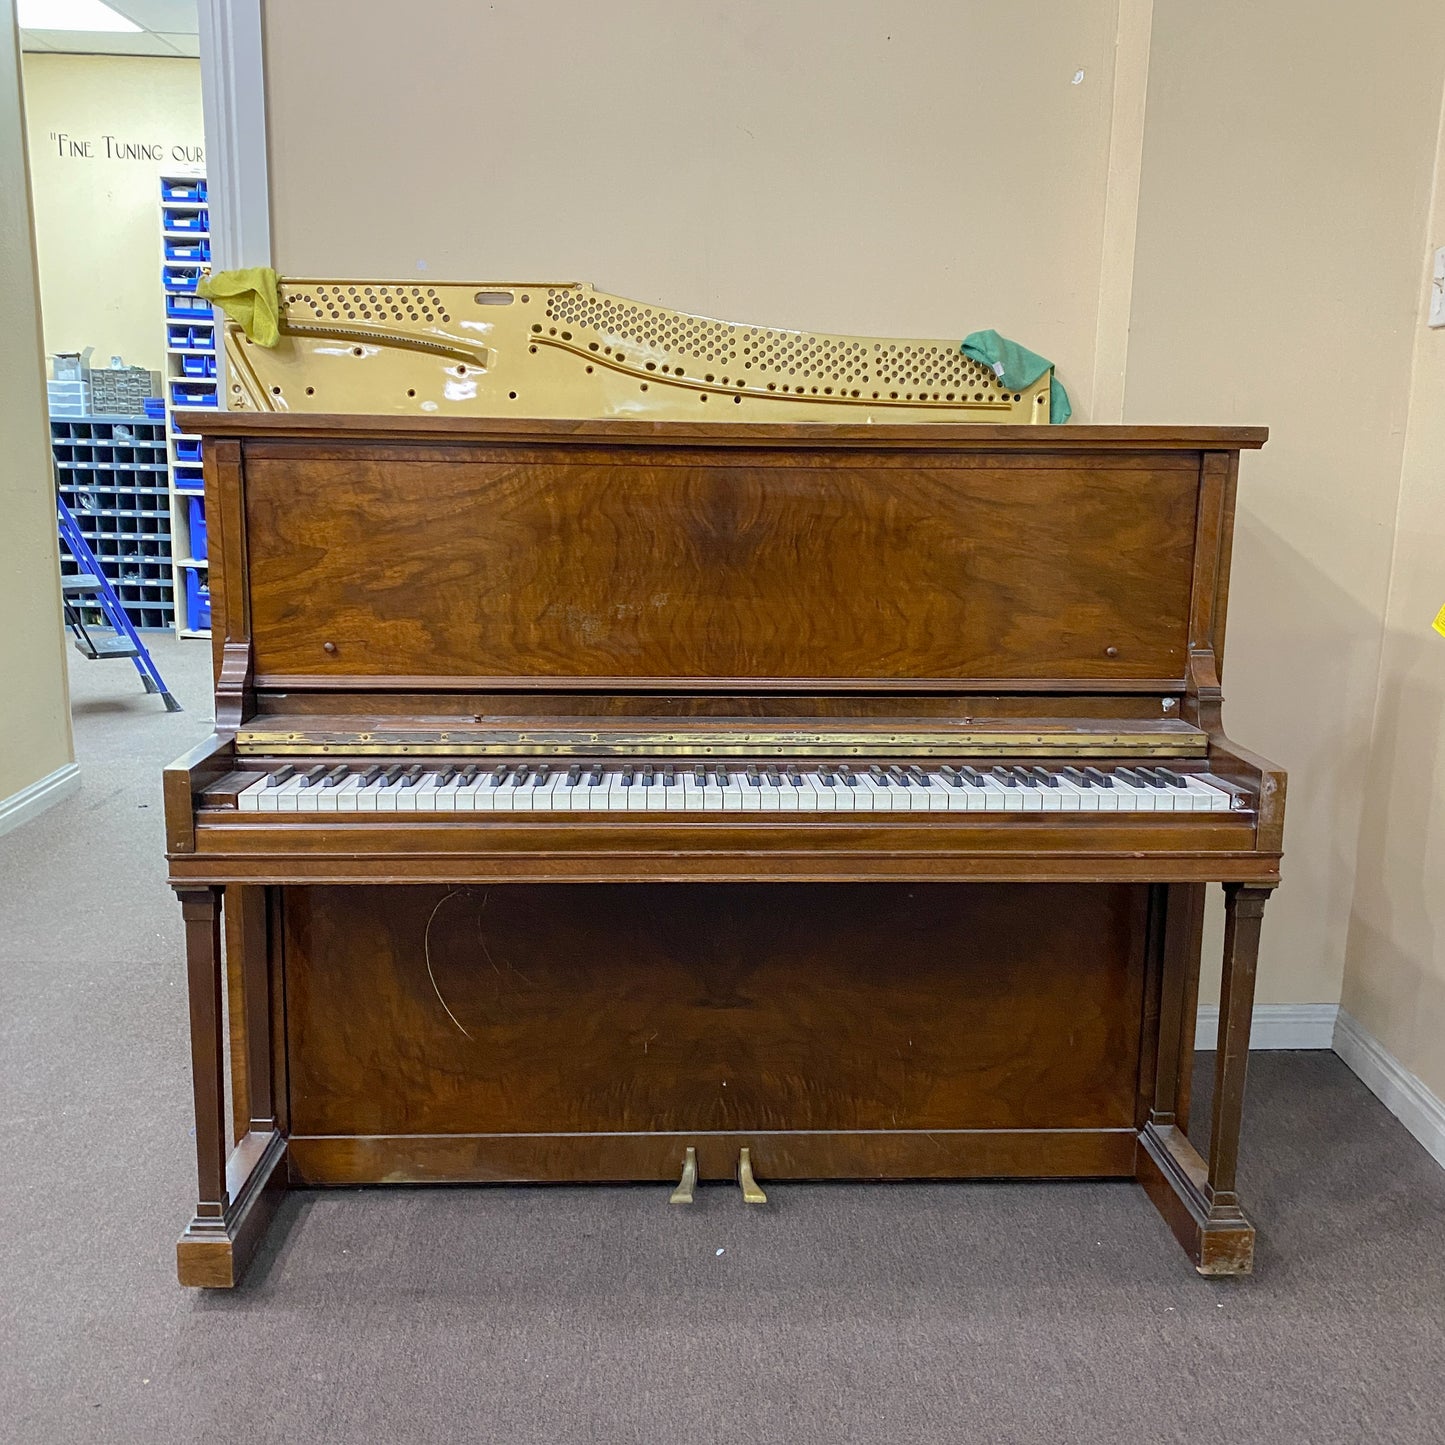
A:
[201,910]
[1243,915]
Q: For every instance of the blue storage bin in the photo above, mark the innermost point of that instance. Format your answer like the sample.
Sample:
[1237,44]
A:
[193,393]
[202,365]
[191,338]
[188,478]
[188,449]
[198,528]
[187,308]
[198,600]
[187,188]
[180,278]
[155,408]
[192,222]
[196,251]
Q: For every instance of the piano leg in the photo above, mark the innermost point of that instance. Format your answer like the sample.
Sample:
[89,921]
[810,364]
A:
[1197,1197]
[236,1195]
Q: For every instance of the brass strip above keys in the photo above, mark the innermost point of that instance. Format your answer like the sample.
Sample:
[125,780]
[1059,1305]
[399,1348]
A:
[821,743]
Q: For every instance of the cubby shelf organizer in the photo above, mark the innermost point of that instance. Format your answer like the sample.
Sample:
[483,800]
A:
[191,381]
[111,472]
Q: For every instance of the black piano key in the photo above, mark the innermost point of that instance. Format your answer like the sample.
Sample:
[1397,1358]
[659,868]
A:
[1005,776]
[444,776]
[847,777]
[371,775]
[770,778]
[755,778]
[338,774]
[594,778]
[573,773]
[1129,776]
[1044,776]
[391,774]
[972,776]
[499,775]
[1173,779]
[669,777]
[312,776]
[1078,779]
[540,775]
[281,775]
[411,777]
[795,777]
[468,775]
[626,776]
[1098,779]
[896,775]
[647,776]
[951,775]
[825,776]
[520,775]
[1026,777]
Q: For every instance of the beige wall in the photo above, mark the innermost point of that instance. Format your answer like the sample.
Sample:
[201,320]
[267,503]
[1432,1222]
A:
[912,170]
[1395,966]
[1287,160]
[1223,221]
[97,218]
[34,702]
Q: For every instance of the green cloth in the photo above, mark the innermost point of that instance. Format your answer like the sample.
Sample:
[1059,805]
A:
[251,298]
[1017,367]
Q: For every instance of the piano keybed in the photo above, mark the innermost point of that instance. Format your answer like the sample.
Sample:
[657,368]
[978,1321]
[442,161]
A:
[660,787]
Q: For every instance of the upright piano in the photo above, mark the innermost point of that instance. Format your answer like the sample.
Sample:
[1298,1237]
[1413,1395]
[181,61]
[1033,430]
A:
[675,801]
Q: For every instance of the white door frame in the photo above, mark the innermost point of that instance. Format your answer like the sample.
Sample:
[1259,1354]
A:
[233,101]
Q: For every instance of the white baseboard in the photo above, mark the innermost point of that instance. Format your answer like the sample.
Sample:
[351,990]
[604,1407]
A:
[1417,1107]
[1276,1026]
[21,807]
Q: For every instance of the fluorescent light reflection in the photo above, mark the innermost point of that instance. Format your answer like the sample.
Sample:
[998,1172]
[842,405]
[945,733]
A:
[90,15]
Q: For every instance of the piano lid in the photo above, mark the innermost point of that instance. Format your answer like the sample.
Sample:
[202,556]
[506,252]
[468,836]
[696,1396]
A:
[564,349]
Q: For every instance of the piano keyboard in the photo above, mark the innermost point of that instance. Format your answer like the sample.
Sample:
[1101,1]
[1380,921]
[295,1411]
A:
[594,788]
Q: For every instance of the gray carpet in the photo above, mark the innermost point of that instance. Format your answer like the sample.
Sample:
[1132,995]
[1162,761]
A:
[997,1313]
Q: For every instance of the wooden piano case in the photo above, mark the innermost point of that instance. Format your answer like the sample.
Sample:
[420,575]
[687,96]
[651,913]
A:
[586,997]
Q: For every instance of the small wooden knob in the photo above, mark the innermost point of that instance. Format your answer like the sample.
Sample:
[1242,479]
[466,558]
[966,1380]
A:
[1108,651]
[329,647]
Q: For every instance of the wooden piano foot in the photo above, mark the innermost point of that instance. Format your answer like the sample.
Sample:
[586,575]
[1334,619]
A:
[1214,1232]
[214,1251]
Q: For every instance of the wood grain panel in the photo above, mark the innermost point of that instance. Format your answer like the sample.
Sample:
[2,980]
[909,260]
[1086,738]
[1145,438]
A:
[608,1009]
[815,572]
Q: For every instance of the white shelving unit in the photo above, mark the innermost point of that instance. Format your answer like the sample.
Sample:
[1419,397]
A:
[191,380]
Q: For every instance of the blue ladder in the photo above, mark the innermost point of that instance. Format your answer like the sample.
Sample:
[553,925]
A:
[91,584]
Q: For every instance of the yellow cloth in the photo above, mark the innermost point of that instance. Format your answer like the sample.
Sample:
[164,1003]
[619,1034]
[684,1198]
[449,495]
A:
[251,298]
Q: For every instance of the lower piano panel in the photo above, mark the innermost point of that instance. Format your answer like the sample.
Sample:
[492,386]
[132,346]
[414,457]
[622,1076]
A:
[602,1158]
[555,1032]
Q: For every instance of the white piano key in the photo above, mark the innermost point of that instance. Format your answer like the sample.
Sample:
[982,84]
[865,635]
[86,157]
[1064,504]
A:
[248,800]
[286,794]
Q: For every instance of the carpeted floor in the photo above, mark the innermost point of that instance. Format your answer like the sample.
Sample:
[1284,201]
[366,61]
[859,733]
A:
[994,1313]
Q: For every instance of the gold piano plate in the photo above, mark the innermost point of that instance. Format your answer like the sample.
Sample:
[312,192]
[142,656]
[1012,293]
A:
[1171,739]
[565,349]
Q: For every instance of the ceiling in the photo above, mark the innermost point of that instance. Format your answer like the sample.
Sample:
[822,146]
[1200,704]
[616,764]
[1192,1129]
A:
[168,27]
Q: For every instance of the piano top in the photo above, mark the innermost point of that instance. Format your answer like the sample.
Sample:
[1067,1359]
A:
[956,436]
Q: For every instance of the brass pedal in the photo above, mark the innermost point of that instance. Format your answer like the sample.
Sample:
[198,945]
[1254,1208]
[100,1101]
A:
[683,1193]
[752,1194]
